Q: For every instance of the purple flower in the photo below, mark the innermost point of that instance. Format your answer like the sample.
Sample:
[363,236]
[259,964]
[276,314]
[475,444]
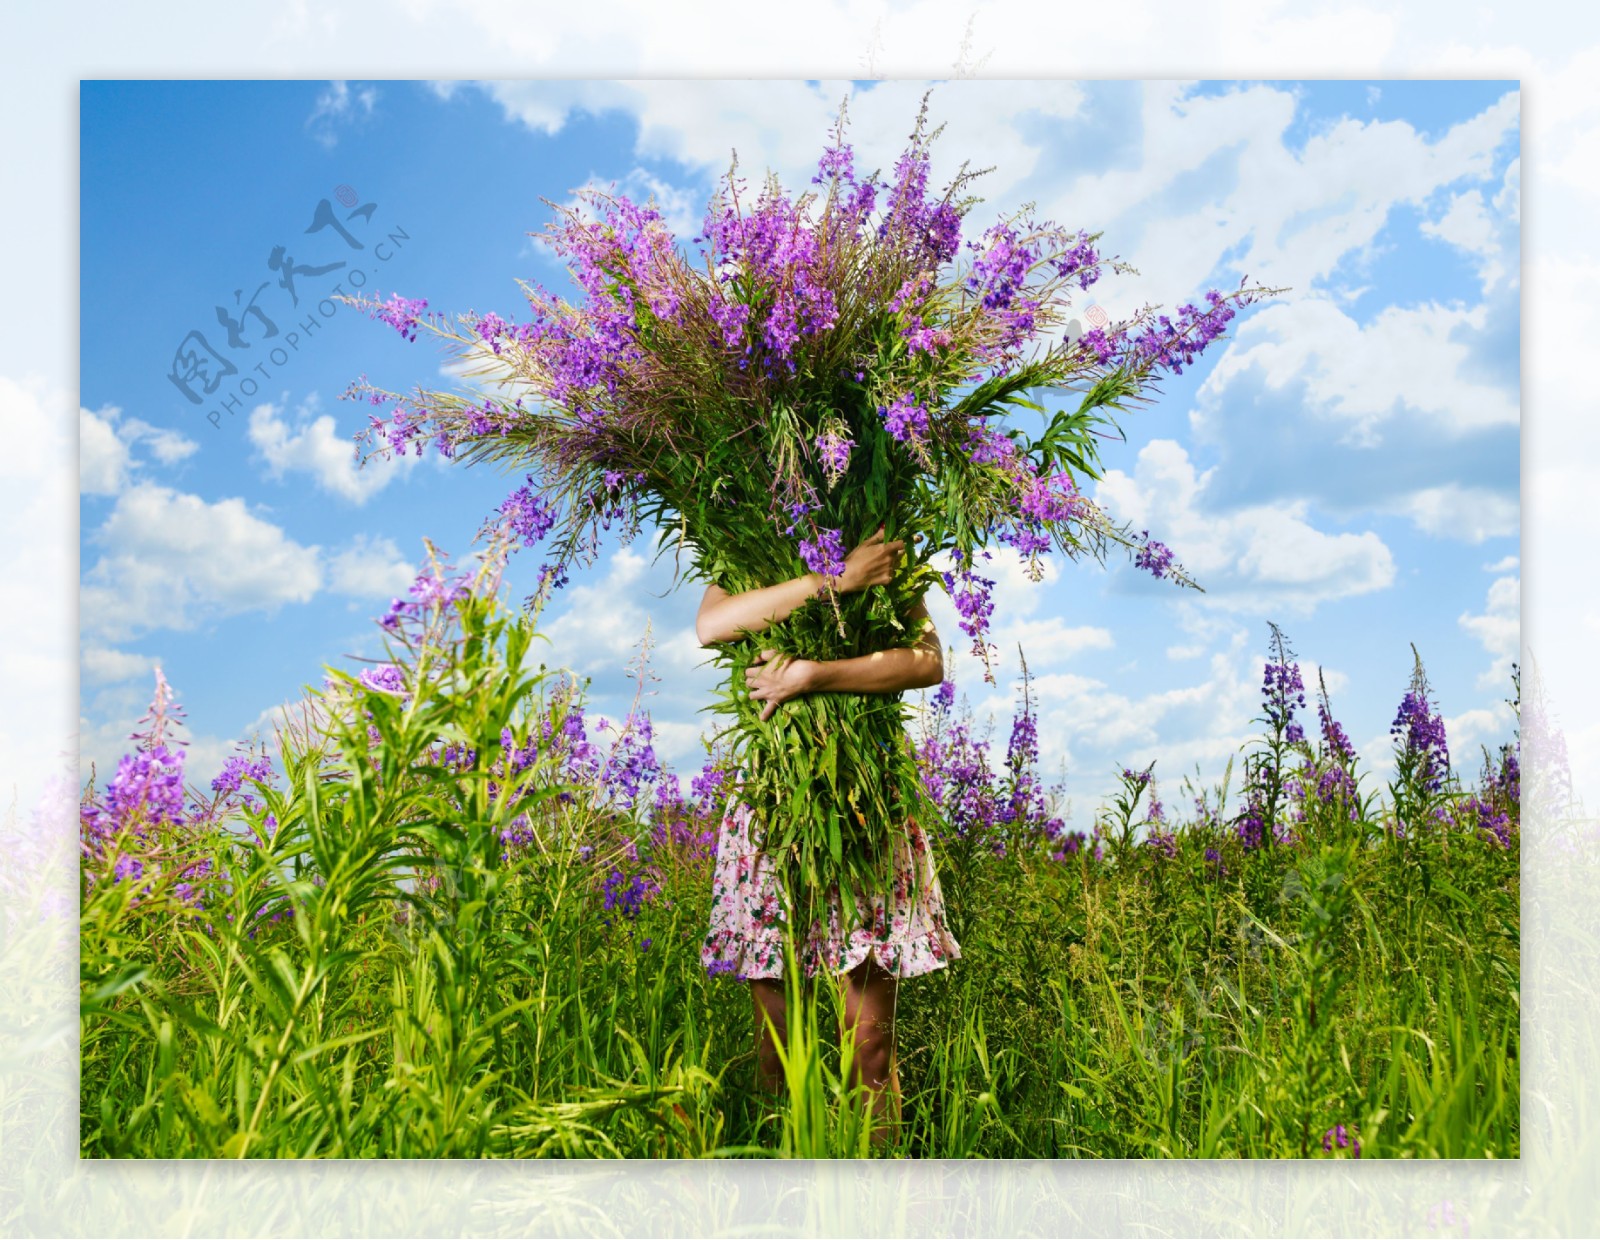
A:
[1333,736]
[1342,1138]
[490,328]
[529,516]
[238,768]
[905,419]
[386,678]
[834,451]
[1154,557]
[1422,737]
[146,790]
[629,894]
[401,313]
[825,555]
[1282,689]
[971,595]
[1173,345]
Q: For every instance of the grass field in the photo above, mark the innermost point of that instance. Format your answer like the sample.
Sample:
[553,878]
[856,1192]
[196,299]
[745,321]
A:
[440,921]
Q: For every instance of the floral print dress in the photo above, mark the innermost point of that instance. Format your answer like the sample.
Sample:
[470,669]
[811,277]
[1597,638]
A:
[903,930]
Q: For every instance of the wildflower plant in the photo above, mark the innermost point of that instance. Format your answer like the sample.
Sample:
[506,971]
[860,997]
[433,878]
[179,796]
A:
[828,365]
[1422,787]
[1266,771]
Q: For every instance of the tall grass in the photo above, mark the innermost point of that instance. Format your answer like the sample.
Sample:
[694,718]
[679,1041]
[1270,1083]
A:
[443,932]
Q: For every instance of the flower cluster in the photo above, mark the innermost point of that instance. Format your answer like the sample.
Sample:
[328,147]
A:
[1174,345]
[1421,734]
[972,596]
[1341,1138]
[1281,692]
[825,554]
[1334,740]
[1153,557]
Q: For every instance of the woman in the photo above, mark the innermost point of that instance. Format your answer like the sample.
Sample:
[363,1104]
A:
[898,934]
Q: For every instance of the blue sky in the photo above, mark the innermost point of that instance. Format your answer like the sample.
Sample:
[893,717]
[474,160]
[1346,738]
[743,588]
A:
[1346,464]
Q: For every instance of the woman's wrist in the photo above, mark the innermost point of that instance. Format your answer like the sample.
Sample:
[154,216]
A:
[817,584]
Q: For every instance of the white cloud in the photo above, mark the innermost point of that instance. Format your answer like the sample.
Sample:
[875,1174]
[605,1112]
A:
[1489,236]
[1405,362]
[103,665]
[339,105]
[1286,218]
[783,124]
[370,568]
[1489,727]
[1505,565]
[102,455]
[1257,559]
[168,446]
[600,628]
[172,559]
[1499,629]
[316,449]
[1471,514]
[105,459]
[1097,729]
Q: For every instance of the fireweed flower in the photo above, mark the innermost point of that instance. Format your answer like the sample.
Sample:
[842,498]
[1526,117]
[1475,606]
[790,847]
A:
[236,769]
[971,595]
[529,515]
[146,790]
[1422,735]
[1154,557]
[401,313]
[905,419]
[834,451]
[825,554]
[1281,692]
[1333,736]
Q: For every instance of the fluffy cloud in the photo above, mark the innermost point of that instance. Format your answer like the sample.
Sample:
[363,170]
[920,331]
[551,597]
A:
[699,124]
[102,455]
[102,665]
[1487,231]
[600,628]
[315,448]
[1256,559]
[171,559]
[1471,514]
[338,106]
[370,568]
[1499,628]
[1407,362]
[105,459]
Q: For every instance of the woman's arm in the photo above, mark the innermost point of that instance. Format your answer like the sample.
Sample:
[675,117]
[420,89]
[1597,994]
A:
[722,615]
[886,671]
[883,671]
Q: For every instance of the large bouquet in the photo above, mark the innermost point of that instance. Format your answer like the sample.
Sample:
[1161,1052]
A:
[831,365]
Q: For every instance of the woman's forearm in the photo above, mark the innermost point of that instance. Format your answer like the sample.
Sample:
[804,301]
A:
[883,671]
[754,609]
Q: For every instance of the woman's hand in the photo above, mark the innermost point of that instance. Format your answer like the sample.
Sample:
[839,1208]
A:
[872,563]
[777,681]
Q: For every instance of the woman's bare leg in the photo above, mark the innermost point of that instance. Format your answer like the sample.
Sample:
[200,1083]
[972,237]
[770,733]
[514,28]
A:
[770,1004]
[869,1016]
